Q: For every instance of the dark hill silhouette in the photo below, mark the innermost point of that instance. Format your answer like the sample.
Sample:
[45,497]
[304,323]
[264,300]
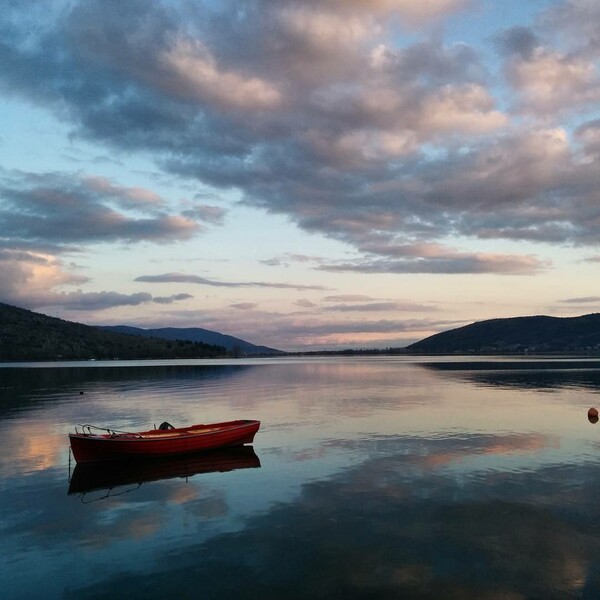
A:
[27,335]
[197,334]
[517,334]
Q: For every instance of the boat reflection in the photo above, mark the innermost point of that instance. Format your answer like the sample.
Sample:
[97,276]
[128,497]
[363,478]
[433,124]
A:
[105,475]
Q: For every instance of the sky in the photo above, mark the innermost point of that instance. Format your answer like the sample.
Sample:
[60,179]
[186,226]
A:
[303,174]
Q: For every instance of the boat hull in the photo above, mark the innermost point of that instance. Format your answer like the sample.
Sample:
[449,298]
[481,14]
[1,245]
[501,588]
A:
[88,447]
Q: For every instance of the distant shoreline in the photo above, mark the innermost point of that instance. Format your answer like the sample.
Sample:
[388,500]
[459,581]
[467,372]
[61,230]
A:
[308,354]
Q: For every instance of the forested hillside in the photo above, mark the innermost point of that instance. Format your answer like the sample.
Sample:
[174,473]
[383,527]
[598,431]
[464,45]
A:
[517,334]
[26,335]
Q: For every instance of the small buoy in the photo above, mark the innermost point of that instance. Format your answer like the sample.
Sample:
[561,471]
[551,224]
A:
[81,393]
[593,415]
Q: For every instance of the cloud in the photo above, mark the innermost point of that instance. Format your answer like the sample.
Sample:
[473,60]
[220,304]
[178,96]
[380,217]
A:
[92,300]
[194,75]
[417,11]
[134,197]
[288,258]
[555,70]
[323,113]
[591,259]
[582,300]
[348,298]
[452,264]
[46,215]
[34,280]
[588,134]
[244,305]
[579,21]
[27,275]
[61,209]
[186,278]
[171,299]
[321,332]
[548,81]
[518,40]
[380,307]
[204,212]
[162,57]
[304,303]
[272,262]
[413,12]
[303,329]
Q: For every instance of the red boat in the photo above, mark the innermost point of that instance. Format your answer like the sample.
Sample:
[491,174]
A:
[164,441]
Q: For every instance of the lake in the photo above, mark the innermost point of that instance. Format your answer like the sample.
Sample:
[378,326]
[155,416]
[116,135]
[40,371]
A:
[371,477]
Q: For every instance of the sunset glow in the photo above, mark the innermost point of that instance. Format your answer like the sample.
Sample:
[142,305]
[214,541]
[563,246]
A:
[239,166]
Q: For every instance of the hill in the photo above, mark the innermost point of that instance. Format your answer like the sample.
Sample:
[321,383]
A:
[517,334]
[26,335]
[232,344]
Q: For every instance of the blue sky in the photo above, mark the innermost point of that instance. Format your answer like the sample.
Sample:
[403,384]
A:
[301,174]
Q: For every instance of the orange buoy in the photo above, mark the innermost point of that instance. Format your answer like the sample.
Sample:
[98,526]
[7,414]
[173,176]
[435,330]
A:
[593,415]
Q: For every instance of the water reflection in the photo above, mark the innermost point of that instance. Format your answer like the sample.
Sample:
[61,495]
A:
[379,478]
[523,374]
[30,388]
[88,477]
[383,530]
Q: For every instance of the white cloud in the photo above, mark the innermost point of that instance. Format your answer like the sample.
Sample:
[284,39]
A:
[129,197]
[549,81]
[244,305]
[414,12]
[189,278]
[325,112]
[192,73]
[323,32]
[464,110]
[27,276]
[62,208]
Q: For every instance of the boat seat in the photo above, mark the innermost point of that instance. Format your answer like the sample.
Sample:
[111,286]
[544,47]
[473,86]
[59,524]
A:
[205,430]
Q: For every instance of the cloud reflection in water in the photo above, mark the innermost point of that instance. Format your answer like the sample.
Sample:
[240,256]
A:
[380,478]
[401,525]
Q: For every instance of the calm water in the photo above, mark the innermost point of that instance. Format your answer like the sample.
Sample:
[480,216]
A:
[370,478]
